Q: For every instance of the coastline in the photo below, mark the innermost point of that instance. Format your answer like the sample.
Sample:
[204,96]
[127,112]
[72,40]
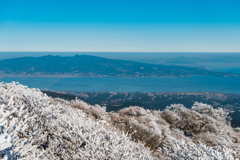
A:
[122,76]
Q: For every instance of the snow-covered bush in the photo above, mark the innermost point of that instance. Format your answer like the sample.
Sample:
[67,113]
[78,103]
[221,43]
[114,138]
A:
[133,111]
[218,114]
[178,132]
[35,126]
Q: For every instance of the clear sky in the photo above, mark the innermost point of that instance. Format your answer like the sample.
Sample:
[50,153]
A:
[120,25]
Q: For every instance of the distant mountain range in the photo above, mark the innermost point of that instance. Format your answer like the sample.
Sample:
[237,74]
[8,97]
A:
[197,61]
[93,66]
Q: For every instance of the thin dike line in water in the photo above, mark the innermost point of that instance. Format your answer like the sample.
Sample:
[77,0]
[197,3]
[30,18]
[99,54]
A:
[48,87]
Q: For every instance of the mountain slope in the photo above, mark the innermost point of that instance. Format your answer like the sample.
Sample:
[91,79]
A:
[35,126]
[85,65]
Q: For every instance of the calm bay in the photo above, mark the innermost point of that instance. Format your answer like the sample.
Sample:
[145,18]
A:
[119,84]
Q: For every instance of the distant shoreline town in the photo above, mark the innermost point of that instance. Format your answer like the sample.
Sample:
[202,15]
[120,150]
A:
[122,76]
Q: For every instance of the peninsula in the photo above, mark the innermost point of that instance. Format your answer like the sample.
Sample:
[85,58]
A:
[93,66]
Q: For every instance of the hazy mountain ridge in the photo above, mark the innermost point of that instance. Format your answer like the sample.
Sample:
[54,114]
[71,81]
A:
[197,61]
[92,66]
[34,125]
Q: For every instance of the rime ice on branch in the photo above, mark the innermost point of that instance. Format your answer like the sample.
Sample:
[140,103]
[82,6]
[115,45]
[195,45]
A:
[35,126]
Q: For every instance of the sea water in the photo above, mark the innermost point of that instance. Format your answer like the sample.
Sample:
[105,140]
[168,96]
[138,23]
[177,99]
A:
[119,84]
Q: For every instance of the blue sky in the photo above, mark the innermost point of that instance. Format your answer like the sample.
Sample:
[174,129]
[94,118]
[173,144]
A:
[120,25]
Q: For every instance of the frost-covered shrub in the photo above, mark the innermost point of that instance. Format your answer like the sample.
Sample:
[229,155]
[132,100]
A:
[96,111]
[237,129]
[170,117]
[132,111]
[183,133]
[218,114]
[35,126]
[175,149]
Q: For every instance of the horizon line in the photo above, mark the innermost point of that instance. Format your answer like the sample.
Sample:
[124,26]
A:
[123,51]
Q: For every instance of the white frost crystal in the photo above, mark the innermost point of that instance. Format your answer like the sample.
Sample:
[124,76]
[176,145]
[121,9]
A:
[35,126]
[32,127]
